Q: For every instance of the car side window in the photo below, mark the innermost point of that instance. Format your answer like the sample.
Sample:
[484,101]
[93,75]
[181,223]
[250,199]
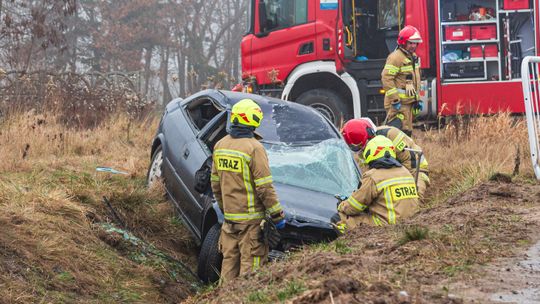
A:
[216,132]
[201,111]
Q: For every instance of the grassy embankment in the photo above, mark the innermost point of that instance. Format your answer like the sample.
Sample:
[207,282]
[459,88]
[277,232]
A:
[54,248]
[472,217]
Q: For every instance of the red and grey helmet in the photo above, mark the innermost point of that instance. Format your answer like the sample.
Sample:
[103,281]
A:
[357,132]
[410,34]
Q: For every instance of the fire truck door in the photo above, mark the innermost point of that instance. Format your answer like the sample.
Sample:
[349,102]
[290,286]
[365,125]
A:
[284,38]
[416,14]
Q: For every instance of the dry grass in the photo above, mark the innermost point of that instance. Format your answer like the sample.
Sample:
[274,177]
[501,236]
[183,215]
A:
[50,202]
[468,221]
[471,149]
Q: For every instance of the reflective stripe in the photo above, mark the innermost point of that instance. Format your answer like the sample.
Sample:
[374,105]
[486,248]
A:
[423,162]
[394,181]
[406,68]
[264,180]
[233,153]
[397,141]
[392,69]
[390,206]
[274,209]
[256,262]
[407,60]
[214,178]
[249,188]
[424,177]
[404,96]
[244,216]
[356,204]
[391,92]
[377,220]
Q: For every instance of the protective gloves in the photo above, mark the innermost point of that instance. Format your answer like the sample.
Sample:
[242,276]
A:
[340,228]
[281,224]
[418,107]
[397,105]
[269,233]
[410,89]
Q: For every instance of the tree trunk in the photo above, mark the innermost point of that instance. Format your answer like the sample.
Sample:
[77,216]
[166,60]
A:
[181,73]
[164,68]
[147,70]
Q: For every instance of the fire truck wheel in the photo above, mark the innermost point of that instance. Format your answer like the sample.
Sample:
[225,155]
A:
[328,103]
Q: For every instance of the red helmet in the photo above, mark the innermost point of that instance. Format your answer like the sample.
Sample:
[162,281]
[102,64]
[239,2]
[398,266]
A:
[357,132]
[409,33]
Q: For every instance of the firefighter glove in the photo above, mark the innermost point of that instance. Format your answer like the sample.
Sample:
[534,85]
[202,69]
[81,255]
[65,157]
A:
[340,228]
[420,105]
[397,105]
[281,224]
[410,89]
[417,108]
[270,233]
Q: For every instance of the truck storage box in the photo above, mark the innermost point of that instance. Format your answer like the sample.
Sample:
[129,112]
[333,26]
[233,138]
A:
[489,51]
[484,32]
[515,4]
[464,70]
[458,32]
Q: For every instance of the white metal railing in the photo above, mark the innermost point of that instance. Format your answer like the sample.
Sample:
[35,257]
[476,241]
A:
[530,74]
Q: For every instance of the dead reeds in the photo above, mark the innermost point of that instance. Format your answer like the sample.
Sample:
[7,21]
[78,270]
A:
[471,149]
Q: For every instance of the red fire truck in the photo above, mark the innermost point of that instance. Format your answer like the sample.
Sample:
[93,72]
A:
[330,53]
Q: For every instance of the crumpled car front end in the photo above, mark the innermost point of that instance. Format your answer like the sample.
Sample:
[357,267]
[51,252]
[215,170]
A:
[306,177]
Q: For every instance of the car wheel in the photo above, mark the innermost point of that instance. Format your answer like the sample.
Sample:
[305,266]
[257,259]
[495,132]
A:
[328,103]
[155,171]
[209,265]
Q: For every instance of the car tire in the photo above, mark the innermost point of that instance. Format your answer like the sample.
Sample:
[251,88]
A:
[328,103]
[155,171]
[209,264]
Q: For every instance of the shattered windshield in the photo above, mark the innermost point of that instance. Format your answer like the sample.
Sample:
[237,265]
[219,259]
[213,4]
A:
[291,123]
[326,167]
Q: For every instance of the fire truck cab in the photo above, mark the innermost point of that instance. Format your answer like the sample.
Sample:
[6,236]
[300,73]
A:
[329,54]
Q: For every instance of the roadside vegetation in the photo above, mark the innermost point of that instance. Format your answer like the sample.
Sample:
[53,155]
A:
[479,210]
[62,242]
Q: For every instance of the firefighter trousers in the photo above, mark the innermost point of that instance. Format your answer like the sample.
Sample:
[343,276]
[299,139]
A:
[423,184]
[401,119]
[243,251]
[352,221]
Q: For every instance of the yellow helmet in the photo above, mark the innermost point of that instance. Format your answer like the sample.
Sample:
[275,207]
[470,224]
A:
[377,147]
[246,112]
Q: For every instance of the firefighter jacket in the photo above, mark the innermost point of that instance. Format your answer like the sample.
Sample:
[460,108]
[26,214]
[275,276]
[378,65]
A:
[242,182]
[401,141]
[386,195]
[401,67]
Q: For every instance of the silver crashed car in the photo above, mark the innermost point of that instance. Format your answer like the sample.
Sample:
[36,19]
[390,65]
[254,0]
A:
[310,164]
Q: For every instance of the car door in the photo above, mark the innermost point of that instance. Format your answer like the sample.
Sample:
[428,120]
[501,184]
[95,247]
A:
[177,132]
[199,114]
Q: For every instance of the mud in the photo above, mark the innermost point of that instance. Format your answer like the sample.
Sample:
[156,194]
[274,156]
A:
[528,276]
[473,239]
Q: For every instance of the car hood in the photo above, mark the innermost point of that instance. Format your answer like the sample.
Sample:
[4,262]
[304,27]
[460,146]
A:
[305,207]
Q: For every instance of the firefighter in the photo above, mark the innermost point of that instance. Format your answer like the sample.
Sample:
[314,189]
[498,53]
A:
[357,132]
[242,185]
[401,81]
[387,193]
